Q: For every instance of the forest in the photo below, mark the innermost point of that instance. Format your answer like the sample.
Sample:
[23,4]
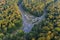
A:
[29,19]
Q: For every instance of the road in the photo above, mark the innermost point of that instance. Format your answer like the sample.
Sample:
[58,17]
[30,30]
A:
[29,20]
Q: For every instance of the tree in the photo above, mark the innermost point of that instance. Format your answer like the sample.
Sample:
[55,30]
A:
[49,28]
[10,19]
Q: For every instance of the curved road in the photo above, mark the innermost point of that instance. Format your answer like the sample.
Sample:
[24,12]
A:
[29,20]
